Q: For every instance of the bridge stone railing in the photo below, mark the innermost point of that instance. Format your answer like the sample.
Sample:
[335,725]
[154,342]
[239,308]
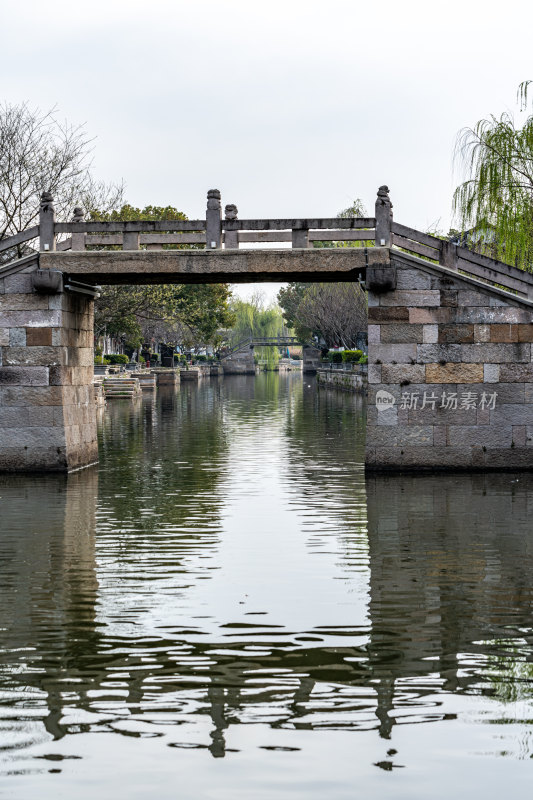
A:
[240,358]
[264,341]
[215,232]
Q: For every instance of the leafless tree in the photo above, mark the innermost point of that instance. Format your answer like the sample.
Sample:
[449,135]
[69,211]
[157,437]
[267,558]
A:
[39,153]
[336,310]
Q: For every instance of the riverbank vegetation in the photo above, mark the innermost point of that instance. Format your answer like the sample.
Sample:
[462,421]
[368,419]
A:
[181,315]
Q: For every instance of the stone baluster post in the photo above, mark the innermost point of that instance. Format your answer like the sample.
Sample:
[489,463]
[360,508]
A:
[231,235]
[383,218]
[78,237]
[47,236]
[448,255]
[130,240]
[213,220]
[300,237]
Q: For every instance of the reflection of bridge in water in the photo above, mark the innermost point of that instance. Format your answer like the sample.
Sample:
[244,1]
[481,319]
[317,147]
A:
[448,603]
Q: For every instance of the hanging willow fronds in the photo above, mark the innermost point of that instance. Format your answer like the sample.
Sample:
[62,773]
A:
[495,202]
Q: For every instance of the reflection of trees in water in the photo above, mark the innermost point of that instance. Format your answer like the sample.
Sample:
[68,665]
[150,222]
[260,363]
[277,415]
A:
[449,599]
[325,433]
[326,426]
[80,676]
[165,454]
[262,393]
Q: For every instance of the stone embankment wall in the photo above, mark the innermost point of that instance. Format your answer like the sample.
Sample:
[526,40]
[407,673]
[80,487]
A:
[47,408]
[240,363]
[339,379]
[450,373]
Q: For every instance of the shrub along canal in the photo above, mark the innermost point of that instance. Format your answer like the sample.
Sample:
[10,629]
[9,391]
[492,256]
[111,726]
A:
[226,609]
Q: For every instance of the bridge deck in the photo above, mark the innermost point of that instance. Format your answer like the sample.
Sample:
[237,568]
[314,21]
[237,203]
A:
[215,266]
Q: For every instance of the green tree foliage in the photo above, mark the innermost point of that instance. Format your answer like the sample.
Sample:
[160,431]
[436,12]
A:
[357,209]
[289,299]
[202,310]
[177,314]
[252,320]
[128,213]
[495,201]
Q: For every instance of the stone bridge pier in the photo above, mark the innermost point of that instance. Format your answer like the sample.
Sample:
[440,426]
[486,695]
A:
[240,363]
[47,411]
[311,359]
[450,371]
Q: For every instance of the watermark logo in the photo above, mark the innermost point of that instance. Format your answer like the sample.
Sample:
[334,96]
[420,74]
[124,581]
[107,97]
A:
[384,400]
[450,401]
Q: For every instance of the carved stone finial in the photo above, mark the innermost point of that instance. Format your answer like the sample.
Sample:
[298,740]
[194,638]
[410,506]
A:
[231,211]
[383,198]
[383,218]
[78,214]
[47,201]
[213,199]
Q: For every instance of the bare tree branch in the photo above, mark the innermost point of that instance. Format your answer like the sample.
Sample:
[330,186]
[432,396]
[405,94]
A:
[40,153]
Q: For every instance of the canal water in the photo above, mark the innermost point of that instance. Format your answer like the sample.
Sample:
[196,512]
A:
[226,609]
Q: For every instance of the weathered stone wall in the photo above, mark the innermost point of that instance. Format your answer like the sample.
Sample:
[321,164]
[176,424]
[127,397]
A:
[240,363]
[339,379]
[47,409]
[311,358]
[456,357]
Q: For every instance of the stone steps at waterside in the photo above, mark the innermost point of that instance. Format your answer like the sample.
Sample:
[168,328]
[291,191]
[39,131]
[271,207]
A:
[121,388]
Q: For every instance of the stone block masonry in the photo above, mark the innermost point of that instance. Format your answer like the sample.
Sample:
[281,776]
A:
[450,373]
[240,363]
[47,410]
[343,380]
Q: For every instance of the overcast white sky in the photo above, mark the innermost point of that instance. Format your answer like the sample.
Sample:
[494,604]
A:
[290,108]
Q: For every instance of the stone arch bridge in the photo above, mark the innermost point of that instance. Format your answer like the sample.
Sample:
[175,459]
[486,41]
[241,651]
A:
[450,332]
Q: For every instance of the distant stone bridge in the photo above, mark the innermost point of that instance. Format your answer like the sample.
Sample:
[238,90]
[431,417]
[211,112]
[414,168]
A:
[450,332]
[240,357]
